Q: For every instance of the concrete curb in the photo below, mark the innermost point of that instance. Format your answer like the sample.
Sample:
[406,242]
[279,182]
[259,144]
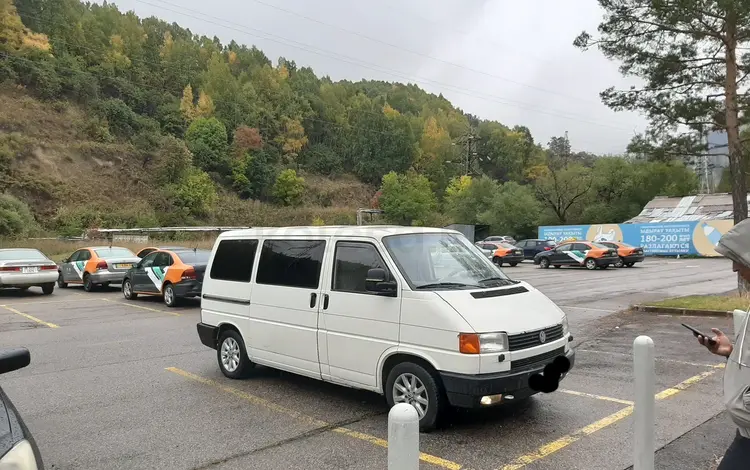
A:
[681,311]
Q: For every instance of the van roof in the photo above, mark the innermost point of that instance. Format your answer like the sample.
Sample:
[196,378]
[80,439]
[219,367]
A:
[377,231]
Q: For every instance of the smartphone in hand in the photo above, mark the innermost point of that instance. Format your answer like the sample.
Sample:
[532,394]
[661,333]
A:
[697,333]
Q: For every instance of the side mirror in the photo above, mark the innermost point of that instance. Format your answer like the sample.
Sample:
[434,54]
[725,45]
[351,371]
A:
[14,359]
[377,281]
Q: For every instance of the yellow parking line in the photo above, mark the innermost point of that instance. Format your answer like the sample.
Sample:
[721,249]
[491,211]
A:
[30,317]
[565,441]
[143,308]
[598,397]
[43,302]
[427,458]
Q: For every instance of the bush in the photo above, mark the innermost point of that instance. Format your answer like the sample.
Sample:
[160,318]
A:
[407,198]
[16,219]
[173,161]
[288,188]
[123,121]
[196,195]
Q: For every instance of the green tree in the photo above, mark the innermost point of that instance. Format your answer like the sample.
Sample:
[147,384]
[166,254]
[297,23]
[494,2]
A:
[687,54]
[466,198]
[207,140]
[407,198]
[288,188]
[196,194]
[514,210]
[16,219]
[173,161]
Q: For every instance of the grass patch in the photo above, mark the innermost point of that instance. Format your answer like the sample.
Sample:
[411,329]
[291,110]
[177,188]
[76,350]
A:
[725,303]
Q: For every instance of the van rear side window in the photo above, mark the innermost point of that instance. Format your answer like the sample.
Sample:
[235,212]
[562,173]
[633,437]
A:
[291,263]
[234,260]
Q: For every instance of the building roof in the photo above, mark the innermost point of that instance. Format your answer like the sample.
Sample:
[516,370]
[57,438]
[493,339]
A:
[685,209]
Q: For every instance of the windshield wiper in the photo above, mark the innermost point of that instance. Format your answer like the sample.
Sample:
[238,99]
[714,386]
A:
[500,280]
[446,284]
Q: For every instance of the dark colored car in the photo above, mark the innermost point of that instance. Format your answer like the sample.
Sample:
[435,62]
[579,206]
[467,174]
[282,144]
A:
[504,253]
[532,246]
[171,274]
[18,450]
[580,253]
[629,255]
[150,249]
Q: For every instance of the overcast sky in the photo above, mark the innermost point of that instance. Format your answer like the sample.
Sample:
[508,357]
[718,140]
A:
[510,61]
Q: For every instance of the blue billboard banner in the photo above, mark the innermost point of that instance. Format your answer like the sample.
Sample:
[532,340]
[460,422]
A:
[666,238]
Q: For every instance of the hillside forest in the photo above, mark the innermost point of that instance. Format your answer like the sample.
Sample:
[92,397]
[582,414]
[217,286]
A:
[108,119]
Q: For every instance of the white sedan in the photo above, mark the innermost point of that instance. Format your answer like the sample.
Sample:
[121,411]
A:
[22,268]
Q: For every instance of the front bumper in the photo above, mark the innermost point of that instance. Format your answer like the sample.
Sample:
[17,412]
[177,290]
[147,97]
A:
[100,277]
[28,280]
[466,391]
[207,334]
[606,261]
[188,288]
[633,258]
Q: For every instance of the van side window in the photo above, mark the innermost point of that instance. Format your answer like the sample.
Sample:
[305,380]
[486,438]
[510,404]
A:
[234,260]
[352,261]
[291,263]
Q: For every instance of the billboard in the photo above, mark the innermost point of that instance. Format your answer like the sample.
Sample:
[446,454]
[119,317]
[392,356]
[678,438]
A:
[666,238]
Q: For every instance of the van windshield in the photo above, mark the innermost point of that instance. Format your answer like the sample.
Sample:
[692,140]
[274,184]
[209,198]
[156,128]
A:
[443,261]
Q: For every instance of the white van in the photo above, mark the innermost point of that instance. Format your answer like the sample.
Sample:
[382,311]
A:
[419,315]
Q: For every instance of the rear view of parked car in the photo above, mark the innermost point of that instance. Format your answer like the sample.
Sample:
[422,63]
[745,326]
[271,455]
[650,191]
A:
[18,450]
[629,255]
[500,238]
[171,274]
[22,268]
[96,266]
[505,253]
[533,246]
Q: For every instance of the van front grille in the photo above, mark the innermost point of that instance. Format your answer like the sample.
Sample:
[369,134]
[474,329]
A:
[540,359]
[531,338]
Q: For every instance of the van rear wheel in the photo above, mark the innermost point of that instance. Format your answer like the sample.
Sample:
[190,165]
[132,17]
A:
[232,355]
[412,384]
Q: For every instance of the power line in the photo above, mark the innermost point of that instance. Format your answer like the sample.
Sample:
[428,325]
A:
[347,59]
[421,54]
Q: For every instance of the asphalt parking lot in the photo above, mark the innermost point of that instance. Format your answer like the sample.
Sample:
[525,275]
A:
[118,384]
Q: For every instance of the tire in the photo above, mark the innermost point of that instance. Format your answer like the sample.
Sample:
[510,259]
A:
[620,263]
[544,263]
[48,288]
[513,265]
[411,373]
[604,266]
[232,347]
[88,286]
[590,264]
[127,290]
[630,265]
[557,266]
[497,260]
[170,298]
[60,283]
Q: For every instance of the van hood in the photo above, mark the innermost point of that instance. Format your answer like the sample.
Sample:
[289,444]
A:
[513,309]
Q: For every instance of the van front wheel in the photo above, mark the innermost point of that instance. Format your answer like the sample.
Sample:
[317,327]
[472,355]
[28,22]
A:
[232,356]
[410,383]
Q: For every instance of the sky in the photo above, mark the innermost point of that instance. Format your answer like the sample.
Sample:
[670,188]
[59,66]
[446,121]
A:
[509,61]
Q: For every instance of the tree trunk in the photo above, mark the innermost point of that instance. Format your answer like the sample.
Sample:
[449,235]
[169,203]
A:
[736,166]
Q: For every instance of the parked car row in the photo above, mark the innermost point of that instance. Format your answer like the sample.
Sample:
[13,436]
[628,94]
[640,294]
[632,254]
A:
[546,253]
[172,272]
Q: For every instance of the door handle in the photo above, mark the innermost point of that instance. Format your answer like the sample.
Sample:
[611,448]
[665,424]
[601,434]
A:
[313,299]
[325,301]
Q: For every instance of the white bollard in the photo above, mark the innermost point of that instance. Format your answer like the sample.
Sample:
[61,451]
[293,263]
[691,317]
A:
[645,378]
[403,438]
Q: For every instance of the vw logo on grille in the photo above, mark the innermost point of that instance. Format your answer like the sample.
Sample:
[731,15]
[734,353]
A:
[542,336]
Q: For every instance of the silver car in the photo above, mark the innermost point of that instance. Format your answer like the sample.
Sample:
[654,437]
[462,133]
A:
[96,266]
[22,268]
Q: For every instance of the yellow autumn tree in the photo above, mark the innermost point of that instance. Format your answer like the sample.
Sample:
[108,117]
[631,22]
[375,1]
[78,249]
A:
[13,35]
[166,48]
[292,139]
[205,106]
[186,104]
[283,72]
[435,146]
[390,112]
[116,55]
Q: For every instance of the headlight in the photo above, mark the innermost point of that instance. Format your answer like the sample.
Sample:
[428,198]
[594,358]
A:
[473,343]
[21,456]
[565,326]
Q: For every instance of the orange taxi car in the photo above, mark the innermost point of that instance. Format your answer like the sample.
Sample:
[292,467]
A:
[506,253]
[592,255]
[96,266]
[629,255]
[171,274]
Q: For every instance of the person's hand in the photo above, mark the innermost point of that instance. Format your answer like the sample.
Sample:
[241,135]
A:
[722,345]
